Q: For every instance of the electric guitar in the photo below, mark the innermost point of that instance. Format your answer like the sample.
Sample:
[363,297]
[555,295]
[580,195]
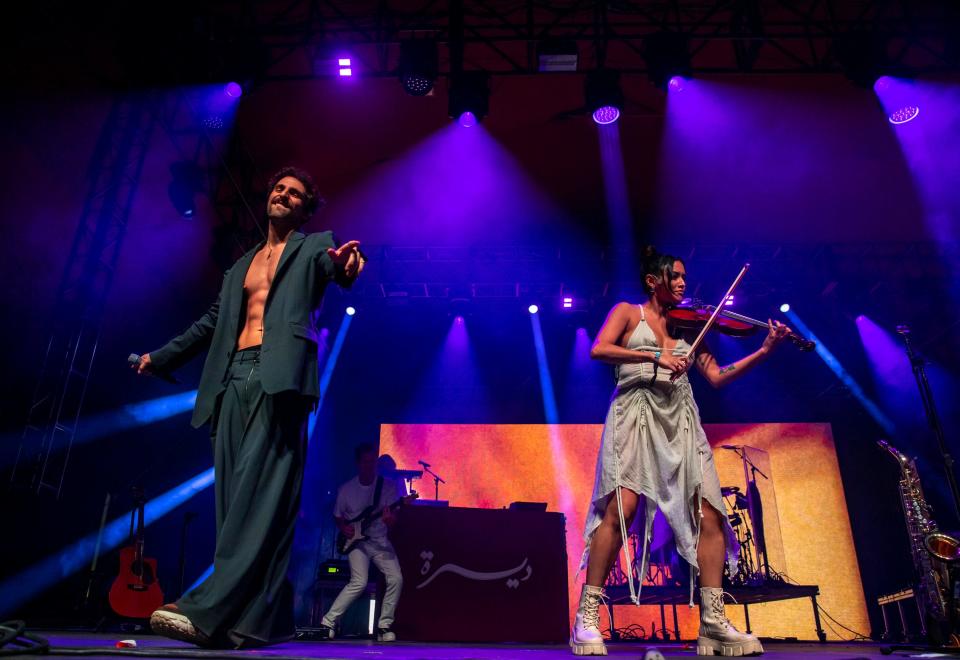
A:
[363,520]
[135,592]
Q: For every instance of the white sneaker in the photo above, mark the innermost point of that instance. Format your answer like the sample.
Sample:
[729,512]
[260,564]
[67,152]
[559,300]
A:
[170,622]
[386,635]
[586,638]
[717,635]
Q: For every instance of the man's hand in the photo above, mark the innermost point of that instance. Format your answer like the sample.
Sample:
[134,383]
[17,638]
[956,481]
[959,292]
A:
[348,256]
[347,530]
[143,366]
[775,335]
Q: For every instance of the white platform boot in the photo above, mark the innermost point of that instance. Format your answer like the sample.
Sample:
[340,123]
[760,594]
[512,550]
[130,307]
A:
[586,638]
[717,634]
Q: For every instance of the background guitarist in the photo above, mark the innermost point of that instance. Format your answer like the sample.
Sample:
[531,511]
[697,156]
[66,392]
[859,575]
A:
[352,498]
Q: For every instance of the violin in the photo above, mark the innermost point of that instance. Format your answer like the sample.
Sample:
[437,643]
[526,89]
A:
[696,315]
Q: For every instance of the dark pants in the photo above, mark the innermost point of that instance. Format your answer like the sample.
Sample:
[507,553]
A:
[259,445]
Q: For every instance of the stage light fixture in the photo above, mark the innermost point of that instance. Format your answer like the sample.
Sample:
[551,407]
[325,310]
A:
[785,307]
[345,68]
[568,303]
[469,97]
[533,309]
[419,64]
[668,56]
[351,311]
[557,55]
[603,95]
[233,89]
[676,84]
[904,114]
[729,301]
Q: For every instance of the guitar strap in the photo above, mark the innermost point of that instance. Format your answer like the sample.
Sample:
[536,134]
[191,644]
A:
[377,491]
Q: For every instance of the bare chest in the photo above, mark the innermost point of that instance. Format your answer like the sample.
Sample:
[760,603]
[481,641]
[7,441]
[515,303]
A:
[262,270]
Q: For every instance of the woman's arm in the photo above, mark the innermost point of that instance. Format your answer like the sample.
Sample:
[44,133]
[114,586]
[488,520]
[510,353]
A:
[718,376]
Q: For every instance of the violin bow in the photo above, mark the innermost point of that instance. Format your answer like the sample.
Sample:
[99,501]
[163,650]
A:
[716,311]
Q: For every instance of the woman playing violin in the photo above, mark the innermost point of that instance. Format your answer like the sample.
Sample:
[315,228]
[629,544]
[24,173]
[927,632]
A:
[654,454]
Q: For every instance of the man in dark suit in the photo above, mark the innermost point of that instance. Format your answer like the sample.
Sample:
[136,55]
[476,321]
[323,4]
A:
[259,385]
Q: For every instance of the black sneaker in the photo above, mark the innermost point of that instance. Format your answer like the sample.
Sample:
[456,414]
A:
[386,635]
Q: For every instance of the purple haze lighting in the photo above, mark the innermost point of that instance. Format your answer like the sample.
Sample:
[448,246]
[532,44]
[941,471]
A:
[904,114]
[468,119]
[233,90]
[606,115]
[676,84]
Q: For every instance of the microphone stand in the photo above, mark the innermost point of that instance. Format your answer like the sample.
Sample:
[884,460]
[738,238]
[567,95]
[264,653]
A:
[436,480]
[926,395]
[750,477]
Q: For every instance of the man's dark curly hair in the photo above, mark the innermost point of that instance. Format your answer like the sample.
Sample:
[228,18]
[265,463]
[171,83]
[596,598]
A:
[313,200]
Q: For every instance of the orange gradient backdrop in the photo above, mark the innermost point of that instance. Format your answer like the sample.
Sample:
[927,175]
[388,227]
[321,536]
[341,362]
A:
[489,466]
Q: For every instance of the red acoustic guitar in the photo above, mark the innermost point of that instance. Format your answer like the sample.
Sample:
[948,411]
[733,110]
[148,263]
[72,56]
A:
[135,592]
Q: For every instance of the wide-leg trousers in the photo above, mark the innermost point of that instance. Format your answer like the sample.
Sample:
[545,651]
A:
[259,444]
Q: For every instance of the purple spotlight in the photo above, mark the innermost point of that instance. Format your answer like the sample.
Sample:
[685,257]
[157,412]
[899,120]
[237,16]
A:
[567,303]
[233,90]
[606,114]
[346,68]
[882,84]
[468,119]
[676,84]
[904,114]
[458,320]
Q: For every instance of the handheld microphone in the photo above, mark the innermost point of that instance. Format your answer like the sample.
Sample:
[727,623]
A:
[424,464]
[733,447]
[134,360]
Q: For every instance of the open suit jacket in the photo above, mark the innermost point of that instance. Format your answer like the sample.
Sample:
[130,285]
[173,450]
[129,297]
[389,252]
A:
[288,359]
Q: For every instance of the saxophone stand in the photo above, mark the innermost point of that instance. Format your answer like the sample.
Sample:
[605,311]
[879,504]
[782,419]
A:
[917,364]
[929,406]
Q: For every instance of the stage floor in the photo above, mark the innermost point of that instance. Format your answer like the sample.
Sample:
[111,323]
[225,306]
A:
[150,646]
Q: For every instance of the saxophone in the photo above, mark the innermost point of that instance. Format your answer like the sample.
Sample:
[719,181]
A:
[933,551]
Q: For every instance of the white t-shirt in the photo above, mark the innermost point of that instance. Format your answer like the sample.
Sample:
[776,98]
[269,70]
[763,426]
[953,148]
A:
[353,497]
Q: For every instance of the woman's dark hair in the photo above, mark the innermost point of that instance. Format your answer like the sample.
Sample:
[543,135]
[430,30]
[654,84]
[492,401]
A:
[656,264]
[313,199]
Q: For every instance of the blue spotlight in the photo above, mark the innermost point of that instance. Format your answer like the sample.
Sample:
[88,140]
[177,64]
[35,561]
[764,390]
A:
[533,309]
[878,416]
[203,576]
[233,90]
[785,307]
[20,588]
[328,367]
